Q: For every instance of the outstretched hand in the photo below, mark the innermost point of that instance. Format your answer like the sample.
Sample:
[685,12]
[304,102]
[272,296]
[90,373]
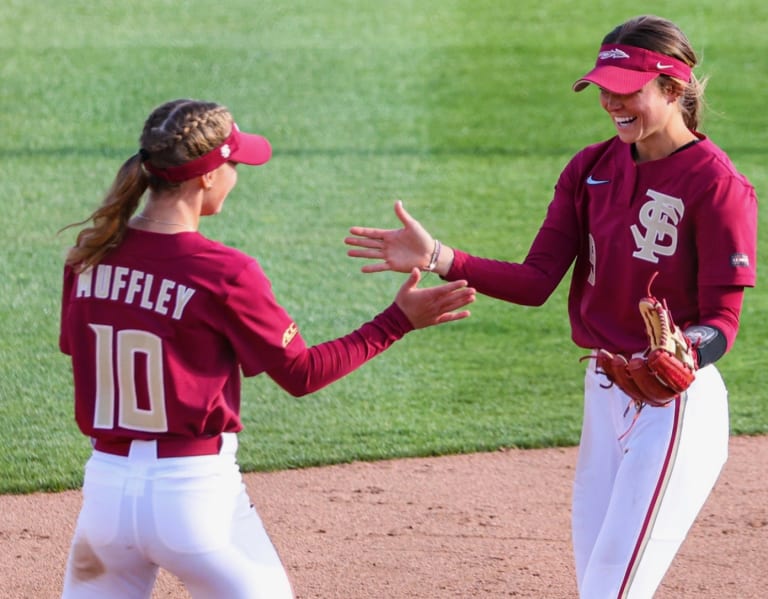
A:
[399,250]
[433,305]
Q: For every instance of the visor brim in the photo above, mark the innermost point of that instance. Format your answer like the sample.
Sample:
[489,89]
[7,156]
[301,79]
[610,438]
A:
[614,79]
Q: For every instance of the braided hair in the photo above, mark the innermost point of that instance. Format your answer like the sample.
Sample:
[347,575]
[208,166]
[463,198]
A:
[174,133]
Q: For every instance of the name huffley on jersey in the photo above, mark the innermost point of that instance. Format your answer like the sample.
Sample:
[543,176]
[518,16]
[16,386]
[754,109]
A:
[134,287]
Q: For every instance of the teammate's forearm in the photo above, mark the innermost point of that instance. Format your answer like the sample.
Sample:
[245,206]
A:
[322,364]
[522,284]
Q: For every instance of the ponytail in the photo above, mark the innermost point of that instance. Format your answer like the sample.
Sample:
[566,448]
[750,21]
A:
[110,220]
[692,102]
[173,134]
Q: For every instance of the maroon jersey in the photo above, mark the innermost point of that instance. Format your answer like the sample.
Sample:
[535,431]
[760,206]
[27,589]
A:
[690,216]
[160,329]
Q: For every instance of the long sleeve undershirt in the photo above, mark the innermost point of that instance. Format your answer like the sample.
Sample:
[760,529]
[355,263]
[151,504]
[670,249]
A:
[322,364]
[532,282]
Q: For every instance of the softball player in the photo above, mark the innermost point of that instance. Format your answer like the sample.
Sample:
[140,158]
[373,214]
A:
[657,197]
[159,321]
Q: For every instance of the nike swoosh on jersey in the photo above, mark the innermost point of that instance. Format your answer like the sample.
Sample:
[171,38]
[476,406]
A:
[592,181]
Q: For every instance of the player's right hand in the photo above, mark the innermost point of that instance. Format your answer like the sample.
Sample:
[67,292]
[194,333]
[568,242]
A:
[433,305]
[399,250]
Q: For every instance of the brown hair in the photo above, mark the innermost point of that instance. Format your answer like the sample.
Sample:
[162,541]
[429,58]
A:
[176,132]
[662,36]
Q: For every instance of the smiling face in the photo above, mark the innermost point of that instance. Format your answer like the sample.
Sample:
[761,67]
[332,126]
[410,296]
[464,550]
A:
[650,118]
[639,115]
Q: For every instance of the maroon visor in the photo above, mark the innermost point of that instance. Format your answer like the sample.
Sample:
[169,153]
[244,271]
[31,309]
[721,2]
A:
[245,148]
[624,69]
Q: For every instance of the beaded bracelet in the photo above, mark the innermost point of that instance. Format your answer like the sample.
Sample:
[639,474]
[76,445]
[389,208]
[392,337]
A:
[435,255]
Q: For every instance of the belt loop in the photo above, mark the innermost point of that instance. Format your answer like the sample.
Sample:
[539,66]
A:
[143,450]
[228,443]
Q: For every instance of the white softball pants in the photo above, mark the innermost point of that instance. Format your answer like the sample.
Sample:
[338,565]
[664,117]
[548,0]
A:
[637,493]
[190,515]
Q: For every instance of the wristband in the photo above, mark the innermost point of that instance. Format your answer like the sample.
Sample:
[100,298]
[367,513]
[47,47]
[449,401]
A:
[435,255]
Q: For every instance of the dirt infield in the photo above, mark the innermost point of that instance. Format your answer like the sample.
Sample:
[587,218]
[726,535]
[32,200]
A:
[482,525]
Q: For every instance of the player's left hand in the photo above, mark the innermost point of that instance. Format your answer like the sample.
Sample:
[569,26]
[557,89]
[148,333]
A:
[666,368]
[430,306]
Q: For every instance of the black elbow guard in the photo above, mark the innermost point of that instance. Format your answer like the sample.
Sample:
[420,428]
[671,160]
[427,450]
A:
[709,342]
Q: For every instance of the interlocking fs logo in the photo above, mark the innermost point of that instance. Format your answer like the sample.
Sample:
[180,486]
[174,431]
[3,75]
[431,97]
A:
[660,217]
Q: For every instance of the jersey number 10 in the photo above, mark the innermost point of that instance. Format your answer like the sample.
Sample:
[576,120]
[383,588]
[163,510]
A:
[117,355]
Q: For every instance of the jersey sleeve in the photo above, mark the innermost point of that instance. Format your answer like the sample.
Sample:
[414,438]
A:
[260,330]
[727,234]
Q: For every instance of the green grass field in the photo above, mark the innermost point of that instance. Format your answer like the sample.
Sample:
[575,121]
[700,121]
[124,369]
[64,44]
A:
[463,109]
